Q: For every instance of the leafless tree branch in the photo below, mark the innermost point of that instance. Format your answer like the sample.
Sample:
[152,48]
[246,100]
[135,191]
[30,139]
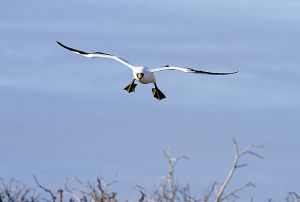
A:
[45,189]
[14,191]
[143,196]
[292,197]
[74,195]
[238,154]
[171,195]
[233,192]
[208,194]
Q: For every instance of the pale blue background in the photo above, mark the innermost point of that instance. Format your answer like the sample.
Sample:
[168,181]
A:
[62,115]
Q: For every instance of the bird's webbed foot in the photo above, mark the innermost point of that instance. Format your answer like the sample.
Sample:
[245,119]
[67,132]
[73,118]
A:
[157,93]
[131,87]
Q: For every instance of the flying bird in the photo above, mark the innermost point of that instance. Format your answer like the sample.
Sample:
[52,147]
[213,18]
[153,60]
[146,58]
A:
[142,74]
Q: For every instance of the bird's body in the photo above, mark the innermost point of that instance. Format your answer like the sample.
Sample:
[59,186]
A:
[142,74]
[148,76]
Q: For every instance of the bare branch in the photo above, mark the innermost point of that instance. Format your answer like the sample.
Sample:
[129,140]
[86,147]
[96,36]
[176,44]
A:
[233,192]
[142,197]
[236,149]
[241,165]
[255,154]
[294,194]
[60,195]
[237,156]
[77,198]
[292,197]
[100,185]
[209,193]
[45,189]
[14,191]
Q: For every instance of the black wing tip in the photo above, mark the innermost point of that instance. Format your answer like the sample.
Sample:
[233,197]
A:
[79,51]
[72,49]
[59,43]
[62,45]
[212,73]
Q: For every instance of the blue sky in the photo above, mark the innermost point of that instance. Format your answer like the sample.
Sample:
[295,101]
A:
[62,115]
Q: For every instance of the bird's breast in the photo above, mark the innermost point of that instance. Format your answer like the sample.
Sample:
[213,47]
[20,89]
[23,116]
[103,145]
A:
[147,78]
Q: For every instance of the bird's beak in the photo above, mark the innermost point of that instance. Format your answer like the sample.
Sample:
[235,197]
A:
[140,75]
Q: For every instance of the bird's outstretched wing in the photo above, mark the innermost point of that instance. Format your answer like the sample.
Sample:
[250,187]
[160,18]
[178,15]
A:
[188,70]
[97,55]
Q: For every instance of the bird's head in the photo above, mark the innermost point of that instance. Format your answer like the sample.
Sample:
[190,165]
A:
[139,75]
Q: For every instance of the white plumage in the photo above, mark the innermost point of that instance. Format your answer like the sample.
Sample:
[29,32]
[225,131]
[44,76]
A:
[140,73]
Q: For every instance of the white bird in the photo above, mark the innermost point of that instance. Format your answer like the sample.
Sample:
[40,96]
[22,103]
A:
[140,73]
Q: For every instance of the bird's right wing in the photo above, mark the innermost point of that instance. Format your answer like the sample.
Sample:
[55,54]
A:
[97,55]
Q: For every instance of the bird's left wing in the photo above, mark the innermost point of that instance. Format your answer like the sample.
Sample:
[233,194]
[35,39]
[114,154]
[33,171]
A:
[97,55]
[188,70]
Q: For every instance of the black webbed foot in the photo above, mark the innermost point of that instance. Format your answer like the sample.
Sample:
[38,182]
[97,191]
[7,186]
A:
[131,87]
[157,93]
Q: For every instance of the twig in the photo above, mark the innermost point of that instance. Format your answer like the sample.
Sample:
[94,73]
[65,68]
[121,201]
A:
[45,189]
[209,193]
[237,155]
[77,198]
[142,197]
[233,193]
